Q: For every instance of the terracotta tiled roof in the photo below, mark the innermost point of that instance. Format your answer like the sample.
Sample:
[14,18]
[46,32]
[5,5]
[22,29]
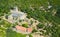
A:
[20,28]
[29,29]
[23,29]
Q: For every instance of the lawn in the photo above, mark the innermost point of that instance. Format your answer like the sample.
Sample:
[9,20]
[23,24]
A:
[10,33]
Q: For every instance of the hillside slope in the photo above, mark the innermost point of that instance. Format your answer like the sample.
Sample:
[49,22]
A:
[46,11]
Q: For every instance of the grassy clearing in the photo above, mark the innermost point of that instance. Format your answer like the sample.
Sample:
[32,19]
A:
[10,33]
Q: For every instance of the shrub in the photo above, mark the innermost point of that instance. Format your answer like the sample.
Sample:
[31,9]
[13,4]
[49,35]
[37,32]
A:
[25,25]
[34,30]
[40,26]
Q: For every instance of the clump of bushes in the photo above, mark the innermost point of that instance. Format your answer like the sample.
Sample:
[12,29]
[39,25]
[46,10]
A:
[34,30]
[40,26]
[25,25]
